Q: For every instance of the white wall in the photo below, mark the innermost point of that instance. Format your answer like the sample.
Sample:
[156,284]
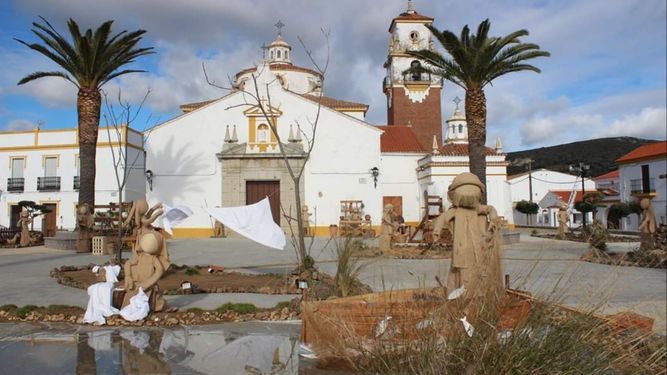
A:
[398,177]
[543,181]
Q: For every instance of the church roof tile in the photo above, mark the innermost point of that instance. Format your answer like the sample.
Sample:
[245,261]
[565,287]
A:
[461,149]
[336,103]
[398,138]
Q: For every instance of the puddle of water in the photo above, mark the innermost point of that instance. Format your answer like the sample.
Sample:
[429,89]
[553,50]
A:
[244,348]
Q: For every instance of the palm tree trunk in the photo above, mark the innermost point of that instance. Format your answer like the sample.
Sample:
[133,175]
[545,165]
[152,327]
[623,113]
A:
[88,105]
[476,119]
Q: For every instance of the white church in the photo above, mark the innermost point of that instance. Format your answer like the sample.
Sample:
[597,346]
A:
[223,153]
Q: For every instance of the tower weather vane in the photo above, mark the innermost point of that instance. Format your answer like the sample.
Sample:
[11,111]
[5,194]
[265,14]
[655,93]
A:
[457,101]
[279,25]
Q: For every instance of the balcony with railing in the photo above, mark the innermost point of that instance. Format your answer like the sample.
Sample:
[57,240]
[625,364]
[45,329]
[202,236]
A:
[77,182]
[637,186]
[48,183]
[15,184]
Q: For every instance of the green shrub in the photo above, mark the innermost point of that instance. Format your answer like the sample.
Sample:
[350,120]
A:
[195,310]
[282,305]
[23,312]
[8,307]
[191,271]
[528,208]
[348,267]
[241,308]
[56,307]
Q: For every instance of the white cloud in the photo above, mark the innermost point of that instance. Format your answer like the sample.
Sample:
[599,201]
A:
[20,124]
[648,123]
[545,129]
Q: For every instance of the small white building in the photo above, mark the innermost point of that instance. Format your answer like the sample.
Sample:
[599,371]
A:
[642,175]
[609,185]
[43,166]
[541,182]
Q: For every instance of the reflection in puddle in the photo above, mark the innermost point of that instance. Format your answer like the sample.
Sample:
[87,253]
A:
[220,349]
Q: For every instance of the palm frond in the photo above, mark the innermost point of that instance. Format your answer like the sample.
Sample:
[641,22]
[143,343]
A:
[36,75]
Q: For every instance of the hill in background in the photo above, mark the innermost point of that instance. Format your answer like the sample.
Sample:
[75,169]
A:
[600,154]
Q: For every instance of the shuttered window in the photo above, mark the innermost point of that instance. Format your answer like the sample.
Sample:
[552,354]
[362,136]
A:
[50,167]
[17,167]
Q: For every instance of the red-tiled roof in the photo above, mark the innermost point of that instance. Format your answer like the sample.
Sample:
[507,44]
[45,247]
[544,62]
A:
[461,149]
[410,17]
[612,174]
[564,195]
[337,103]
[281,66]
[649,151]
[399,139]
[189,107]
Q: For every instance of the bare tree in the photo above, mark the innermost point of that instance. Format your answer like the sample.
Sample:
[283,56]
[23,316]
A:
[259,96]
[118,118]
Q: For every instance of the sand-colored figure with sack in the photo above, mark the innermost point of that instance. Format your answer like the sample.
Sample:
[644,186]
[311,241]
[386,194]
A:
[476,239]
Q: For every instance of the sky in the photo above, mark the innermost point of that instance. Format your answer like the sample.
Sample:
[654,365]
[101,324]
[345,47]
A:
[606,77]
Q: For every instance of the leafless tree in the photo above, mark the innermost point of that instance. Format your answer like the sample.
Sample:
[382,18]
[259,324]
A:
[259,96]
[118,117]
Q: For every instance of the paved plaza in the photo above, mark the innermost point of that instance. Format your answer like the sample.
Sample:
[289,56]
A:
[548,268]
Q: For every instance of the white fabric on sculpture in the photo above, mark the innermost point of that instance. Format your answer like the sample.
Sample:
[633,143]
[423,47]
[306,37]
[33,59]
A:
[254,222]
[138,307]
[111,273]
[174,215]
[99,302]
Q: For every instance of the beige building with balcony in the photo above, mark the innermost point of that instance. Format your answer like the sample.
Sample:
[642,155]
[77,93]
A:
[43,166]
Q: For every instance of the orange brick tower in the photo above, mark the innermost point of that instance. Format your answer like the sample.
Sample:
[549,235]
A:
[412,99]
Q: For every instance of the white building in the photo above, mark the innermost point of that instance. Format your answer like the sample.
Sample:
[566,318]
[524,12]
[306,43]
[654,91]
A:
[642,175]
[43,166]
[541,182]
[222,152]
[609,185]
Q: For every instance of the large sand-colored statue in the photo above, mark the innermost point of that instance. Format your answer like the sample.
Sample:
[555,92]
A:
[149,260]
[141,218]
[24,223]
[563,219]
[647,225]
[476,243]
[388,227]
[84,227]
[145,269]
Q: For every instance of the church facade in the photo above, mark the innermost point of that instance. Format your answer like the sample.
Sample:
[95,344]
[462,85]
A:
[224,152]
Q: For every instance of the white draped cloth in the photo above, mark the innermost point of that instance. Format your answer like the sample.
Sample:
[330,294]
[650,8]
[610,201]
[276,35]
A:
[254,222]
[99,303]
[138,307]
[173,216]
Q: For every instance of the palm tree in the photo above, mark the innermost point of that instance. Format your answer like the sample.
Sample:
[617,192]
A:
[476,60]
[89,61]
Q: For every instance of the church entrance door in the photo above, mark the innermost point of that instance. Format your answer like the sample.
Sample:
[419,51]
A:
[255,191]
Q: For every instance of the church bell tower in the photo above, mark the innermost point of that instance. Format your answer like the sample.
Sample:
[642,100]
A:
[413,99]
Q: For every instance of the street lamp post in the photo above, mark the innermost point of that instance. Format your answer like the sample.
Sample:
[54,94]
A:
[581,170]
